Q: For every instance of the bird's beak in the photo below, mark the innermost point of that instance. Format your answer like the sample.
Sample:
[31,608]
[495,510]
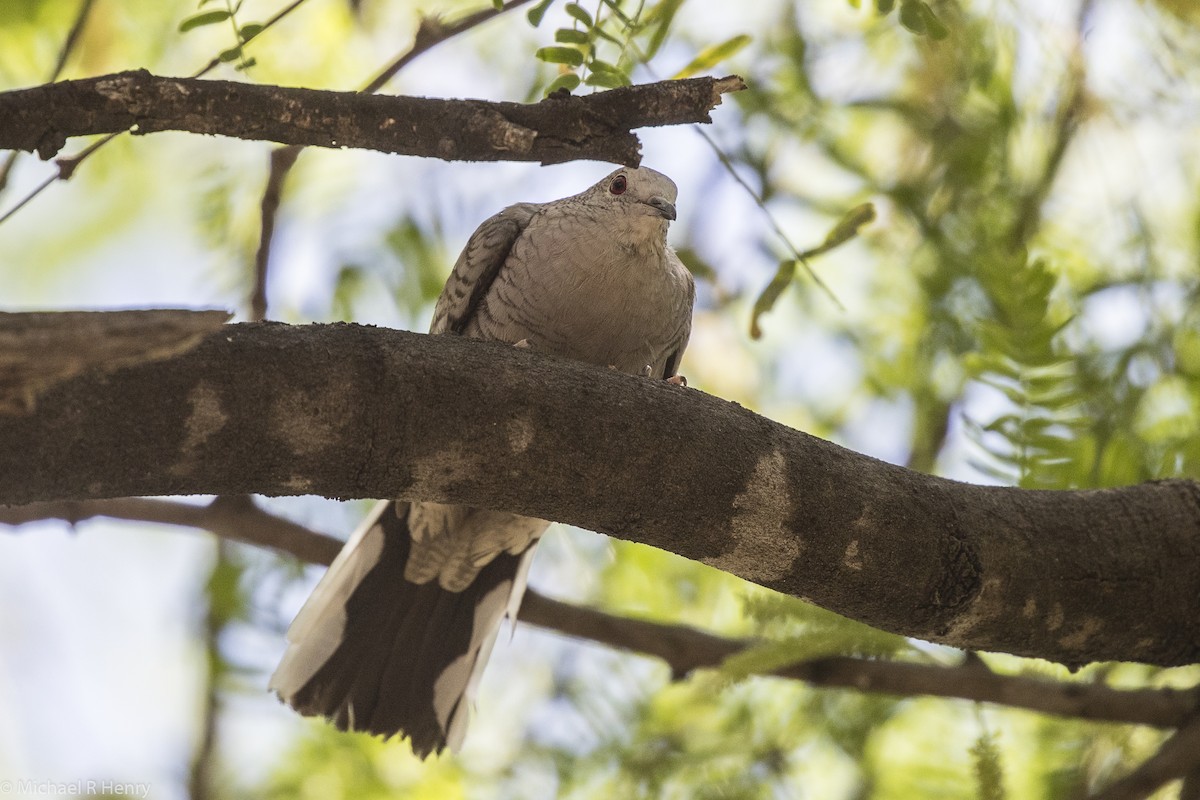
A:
[663,206]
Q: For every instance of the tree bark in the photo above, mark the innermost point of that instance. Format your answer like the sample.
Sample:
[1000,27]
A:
[352,411]
[558,129]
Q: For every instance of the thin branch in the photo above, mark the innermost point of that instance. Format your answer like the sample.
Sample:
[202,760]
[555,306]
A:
[238,518]
[800,258]
[1070,111]
[68,45]
[72,37]
[797,255]
[202,769]
[558,129]
[1178,757]
[684,648]
[282,161]
[68,164]
[24,201]
[433,32]
[430,33]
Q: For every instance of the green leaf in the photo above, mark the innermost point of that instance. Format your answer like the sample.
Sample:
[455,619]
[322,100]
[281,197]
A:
[845,230]
[207,18]
[498,4]
[766,300]
[537,12]
[576,11]
[247,64]
[596,65]
[937,29]
[250,30]
[661,17]
[232,54]
[568,81]
[885,7]
[710,56]
[912,18]
[607,80]
[571,36]
[560,55]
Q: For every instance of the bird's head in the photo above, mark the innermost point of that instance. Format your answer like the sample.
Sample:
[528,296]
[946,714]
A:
[640,191]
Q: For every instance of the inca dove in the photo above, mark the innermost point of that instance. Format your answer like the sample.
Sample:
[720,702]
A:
[396,635]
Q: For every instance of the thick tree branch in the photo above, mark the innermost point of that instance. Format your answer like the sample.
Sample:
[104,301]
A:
[560,128]
[683,648]
[352,411]
[39,350]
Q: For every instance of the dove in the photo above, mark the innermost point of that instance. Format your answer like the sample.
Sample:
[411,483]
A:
[394,638]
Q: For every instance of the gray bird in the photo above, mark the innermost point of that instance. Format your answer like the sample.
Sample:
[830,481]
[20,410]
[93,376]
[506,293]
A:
[395,637]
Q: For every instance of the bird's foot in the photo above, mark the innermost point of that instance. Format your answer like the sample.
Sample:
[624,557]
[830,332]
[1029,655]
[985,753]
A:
[677,380]
[523,344]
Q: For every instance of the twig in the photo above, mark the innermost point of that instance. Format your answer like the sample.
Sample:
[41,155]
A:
[684,648]
[429,34]
[72,37]
[278,16]
[68,164]
[1178,757]
[237,518]
[202,769]
[68,45]
[282,160]
[1070,110]
[800,257]
[727,163]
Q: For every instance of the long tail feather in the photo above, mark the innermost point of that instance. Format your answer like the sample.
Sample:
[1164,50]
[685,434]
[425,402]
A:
[375,652]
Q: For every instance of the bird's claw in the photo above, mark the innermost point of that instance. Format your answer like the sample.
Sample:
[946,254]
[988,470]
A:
[677,380]
[523,344]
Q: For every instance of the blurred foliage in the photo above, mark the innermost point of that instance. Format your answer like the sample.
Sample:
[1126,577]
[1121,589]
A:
[627,34]
[1022,310]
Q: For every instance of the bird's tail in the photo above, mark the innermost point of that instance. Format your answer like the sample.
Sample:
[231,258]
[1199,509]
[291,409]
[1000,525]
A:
[374,652]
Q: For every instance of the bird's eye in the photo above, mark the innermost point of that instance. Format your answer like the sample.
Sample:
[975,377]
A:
[618,185]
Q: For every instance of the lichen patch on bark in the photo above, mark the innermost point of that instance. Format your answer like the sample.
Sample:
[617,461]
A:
[205,417]
[764,547]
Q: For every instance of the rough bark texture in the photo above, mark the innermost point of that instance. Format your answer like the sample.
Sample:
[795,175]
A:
[560,128]
[352,411]
[39,350]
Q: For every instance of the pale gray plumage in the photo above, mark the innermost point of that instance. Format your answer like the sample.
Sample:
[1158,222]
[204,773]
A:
[398,631]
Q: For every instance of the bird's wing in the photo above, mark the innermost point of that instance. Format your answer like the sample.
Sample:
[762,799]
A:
[684,316]
[477,266]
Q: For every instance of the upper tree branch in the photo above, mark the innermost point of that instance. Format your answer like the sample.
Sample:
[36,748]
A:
[596,126]
[351,411]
